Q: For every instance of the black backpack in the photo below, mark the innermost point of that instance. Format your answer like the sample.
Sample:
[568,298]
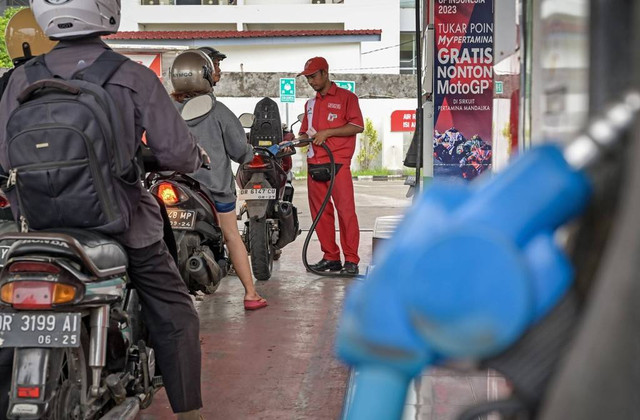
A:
[65,163]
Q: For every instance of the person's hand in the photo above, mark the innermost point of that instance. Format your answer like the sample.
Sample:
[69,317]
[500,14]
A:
[320,137]
[206,160]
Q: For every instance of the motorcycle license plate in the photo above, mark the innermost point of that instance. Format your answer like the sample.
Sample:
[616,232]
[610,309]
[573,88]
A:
[257,194]
[40,329]
[182,219]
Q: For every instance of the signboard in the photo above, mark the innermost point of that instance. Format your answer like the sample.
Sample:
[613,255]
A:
[499,88]
[403,120]
[287,89]
[153,61]
[463,88]
[349,85]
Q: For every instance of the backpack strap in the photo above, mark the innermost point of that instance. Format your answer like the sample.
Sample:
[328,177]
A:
[102,69]
[36,69]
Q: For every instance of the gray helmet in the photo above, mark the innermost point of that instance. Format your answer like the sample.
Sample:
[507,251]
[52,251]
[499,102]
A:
[192,71]
[63,19]
[213,53]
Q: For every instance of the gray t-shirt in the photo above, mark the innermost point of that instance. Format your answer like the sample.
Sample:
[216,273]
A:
[145,106]
[220,133]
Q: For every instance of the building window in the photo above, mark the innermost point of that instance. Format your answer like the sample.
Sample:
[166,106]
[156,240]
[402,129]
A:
[408,53]
[188,2]
[157,2]
[17,3]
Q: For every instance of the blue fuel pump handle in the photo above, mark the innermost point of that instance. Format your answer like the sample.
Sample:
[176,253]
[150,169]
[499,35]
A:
[470,269]
[276,148]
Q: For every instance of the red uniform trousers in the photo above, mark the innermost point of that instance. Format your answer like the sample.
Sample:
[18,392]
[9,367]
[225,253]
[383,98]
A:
[343,200]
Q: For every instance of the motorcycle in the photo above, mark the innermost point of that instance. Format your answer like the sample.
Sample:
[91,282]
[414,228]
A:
[201,254]
[265,185]
[81,349]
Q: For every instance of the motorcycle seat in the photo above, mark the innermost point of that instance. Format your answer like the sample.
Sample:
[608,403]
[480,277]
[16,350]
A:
[104,252]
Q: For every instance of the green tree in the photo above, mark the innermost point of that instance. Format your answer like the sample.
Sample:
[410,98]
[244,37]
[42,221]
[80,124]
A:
[5,60]
[370,146]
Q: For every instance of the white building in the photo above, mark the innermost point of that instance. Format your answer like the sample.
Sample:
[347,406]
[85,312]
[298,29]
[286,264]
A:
[355,36]
[246,18]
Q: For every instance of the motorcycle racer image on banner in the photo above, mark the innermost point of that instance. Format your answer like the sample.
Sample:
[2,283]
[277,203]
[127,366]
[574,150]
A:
[459,157]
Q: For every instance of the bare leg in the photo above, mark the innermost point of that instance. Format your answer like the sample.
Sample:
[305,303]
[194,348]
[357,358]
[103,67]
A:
[238,253]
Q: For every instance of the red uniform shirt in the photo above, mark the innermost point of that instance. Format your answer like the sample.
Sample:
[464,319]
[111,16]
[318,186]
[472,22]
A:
[336,109]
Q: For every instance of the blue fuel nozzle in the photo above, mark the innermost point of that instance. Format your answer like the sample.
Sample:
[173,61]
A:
[470,268]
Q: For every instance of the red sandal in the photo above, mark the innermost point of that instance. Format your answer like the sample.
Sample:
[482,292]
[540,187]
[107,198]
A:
[252,305]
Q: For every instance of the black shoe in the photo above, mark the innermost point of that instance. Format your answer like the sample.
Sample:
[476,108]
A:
[350,269]
[324,265]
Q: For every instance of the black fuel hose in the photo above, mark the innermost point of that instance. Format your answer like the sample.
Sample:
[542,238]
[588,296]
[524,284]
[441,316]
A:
[317,219]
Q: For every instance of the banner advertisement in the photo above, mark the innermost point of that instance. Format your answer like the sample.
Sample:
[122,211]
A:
[463,90]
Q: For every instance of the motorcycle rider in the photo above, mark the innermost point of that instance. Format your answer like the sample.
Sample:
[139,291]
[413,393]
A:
[167,308]
[193,75]
[216,57]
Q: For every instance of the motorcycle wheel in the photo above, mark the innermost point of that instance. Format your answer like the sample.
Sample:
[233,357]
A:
[68,373]
[262,251]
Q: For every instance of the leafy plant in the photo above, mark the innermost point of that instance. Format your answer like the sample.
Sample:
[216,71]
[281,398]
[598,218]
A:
[370,145]
[5,60]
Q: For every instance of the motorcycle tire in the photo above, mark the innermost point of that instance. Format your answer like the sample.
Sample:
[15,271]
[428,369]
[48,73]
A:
[67,371]
[262,251]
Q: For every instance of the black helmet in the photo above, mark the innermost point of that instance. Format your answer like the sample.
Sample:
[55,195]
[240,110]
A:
[213,53]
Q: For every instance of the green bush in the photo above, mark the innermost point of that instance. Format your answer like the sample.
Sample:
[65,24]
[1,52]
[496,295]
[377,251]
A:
[370,146]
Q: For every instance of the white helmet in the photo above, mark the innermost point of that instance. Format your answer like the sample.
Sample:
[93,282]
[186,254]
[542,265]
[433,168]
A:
[65,19]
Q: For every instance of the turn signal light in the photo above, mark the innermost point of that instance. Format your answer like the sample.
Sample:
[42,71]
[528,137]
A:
[168,194]
[6,293]
[63,293]
[37,294]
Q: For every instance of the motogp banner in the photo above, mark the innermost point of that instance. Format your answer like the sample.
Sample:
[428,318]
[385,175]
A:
[463,90]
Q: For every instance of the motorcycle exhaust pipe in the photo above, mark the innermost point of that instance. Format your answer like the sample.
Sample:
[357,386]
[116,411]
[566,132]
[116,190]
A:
[197,269]
[128,410]
[287,214]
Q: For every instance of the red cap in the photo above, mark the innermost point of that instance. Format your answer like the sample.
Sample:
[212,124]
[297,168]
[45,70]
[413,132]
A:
[313,65]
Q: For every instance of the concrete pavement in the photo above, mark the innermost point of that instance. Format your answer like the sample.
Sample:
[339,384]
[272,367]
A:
[278,362]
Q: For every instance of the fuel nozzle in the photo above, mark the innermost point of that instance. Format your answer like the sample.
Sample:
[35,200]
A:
[472,266]
[276,148]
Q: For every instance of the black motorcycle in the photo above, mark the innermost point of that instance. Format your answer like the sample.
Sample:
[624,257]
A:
[81,350]
[201,254]
[265,185]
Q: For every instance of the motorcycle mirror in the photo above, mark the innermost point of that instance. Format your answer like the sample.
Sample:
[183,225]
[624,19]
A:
[246,119]
[197,107]
[301,117]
